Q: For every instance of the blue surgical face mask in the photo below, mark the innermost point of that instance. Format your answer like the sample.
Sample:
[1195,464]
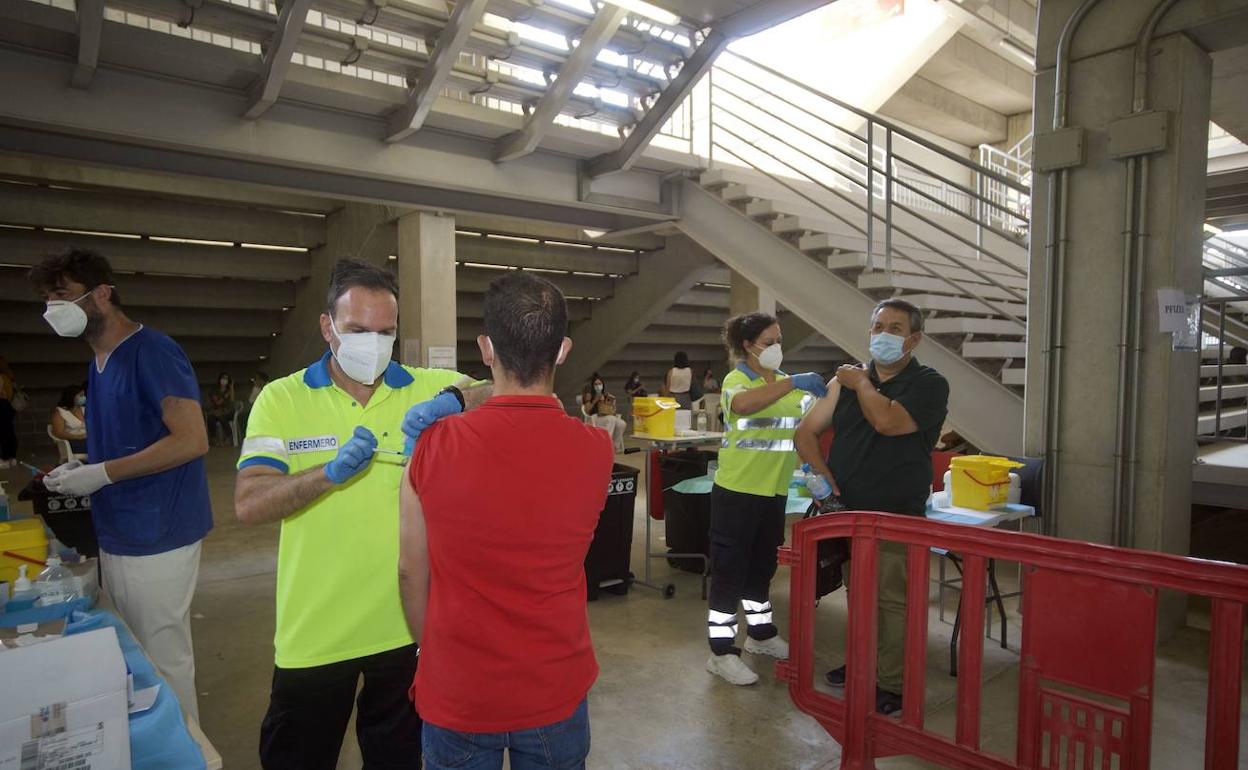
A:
[80,400]
[887,348]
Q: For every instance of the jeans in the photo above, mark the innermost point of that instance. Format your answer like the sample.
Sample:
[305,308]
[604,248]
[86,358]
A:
[556,746]
[309,709]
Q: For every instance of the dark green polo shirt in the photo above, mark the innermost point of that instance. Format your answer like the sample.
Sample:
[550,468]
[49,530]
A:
[889,473]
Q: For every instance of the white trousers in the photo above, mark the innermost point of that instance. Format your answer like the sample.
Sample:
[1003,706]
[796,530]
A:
[613,424]
[152,595]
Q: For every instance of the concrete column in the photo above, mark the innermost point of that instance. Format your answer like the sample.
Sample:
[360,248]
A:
[745,297]
[426,288]
[356,230]
[1090,386]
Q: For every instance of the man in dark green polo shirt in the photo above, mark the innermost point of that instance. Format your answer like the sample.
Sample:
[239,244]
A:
[887,421]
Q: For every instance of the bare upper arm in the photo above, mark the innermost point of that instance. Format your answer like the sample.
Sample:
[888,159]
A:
[819,418]
[185,418]
[412,548]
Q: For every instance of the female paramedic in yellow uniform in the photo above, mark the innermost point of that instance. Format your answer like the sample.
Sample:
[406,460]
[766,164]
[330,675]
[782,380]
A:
[762,407]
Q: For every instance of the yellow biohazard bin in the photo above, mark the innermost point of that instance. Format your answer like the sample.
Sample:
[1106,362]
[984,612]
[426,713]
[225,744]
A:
[22,541]
[981,482]
[655,416]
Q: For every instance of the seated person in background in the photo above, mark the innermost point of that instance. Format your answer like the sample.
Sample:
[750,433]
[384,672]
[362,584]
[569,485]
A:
[599,406]
[69,418]
[491,570]
[221,410]
[633,388]
[709,383]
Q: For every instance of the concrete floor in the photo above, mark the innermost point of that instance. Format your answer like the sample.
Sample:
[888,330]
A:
[654,706]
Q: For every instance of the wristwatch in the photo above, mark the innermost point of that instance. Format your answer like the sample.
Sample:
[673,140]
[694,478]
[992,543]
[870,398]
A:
[458,394]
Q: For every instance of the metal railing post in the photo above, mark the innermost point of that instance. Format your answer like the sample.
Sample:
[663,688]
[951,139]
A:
[870,195]
[1217,400]
[888,198]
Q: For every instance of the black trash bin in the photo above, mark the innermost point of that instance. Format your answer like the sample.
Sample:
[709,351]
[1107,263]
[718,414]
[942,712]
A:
[607,562]
[68,517]
[686,518]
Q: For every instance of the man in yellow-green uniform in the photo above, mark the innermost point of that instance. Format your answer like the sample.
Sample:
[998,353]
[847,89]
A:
[324,455]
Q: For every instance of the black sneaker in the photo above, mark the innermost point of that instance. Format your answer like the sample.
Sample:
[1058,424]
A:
[887,703]
[835,677]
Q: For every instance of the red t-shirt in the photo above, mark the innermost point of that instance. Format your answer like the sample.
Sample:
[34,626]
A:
[511,493]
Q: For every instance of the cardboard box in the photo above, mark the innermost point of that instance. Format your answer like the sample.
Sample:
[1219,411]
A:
[64,704]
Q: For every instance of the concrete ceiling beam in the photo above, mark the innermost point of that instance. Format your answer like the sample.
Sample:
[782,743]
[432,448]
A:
[276,64]
[42,349]
[90,15]
[143,215]
[713,318]
[920,102]
[981,74]
[477,280]
[159,291]
[27,318]
[501,251]
[469,308]
[63,173]
[411,116]
[29,247]
[558,94]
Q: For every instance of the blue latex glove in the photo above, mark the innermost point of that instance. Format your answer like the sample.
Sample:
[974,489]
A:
[353,456]
[424,414]
[811,382]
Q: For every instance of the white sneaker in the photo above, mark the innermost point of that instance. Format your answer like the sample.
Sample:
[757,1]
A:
[775,647]
[732,669]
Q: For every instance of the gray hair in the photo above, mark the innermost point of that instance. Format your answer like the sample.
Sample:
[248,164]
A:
[916,315]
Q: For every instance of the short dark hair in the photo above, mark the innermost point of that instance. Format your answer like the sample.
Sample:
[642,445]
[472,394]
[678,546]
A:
[83,266]
[526,318]
[745,328]
[681,359]
[916,315]
[351,273]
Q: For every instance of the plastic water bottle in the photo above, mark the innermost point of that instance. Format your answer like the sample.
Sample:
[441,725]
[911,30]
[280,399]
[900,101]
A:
[818,486]
[701,422]
[55,584]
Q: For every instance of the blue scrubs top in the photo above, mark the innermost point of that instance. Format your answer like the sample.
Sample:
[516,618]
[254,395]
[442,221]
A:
[149,514]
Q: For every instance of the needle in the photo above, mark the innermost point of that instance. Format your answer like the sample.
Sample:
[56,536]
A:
[387,452]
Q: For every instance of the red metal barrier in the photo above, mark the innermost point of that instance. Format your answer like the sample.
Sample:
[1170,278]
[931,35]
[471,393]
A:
[1089,619]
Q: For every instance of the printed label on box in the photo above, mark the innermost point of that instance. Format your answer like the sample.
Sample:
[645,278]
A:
[81,749]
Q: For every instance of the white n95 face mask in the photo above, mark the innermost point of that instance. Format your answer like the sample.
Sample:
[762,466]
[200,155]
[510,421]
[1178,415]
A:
[363,356]
[66,317]
[771,357]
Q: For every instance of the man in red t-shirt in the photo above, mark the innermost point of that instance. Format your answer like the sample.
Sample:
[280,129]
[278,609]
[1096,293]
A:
[498,511]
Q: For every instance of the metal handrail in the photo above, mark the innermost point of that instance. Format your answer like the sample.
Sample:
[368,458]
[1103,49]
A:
[960,289]
[870,160]
[875,119]
[891,178]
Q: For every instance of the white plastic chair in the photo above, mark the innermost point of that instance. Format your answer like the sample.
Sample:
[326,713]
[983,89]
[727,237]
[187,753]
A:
[64,449]
[238,409]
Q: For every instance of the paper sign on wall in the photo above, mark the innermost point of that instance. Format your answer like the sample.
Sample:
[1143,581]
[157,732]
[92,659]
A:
[1171,310]
[442,357]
